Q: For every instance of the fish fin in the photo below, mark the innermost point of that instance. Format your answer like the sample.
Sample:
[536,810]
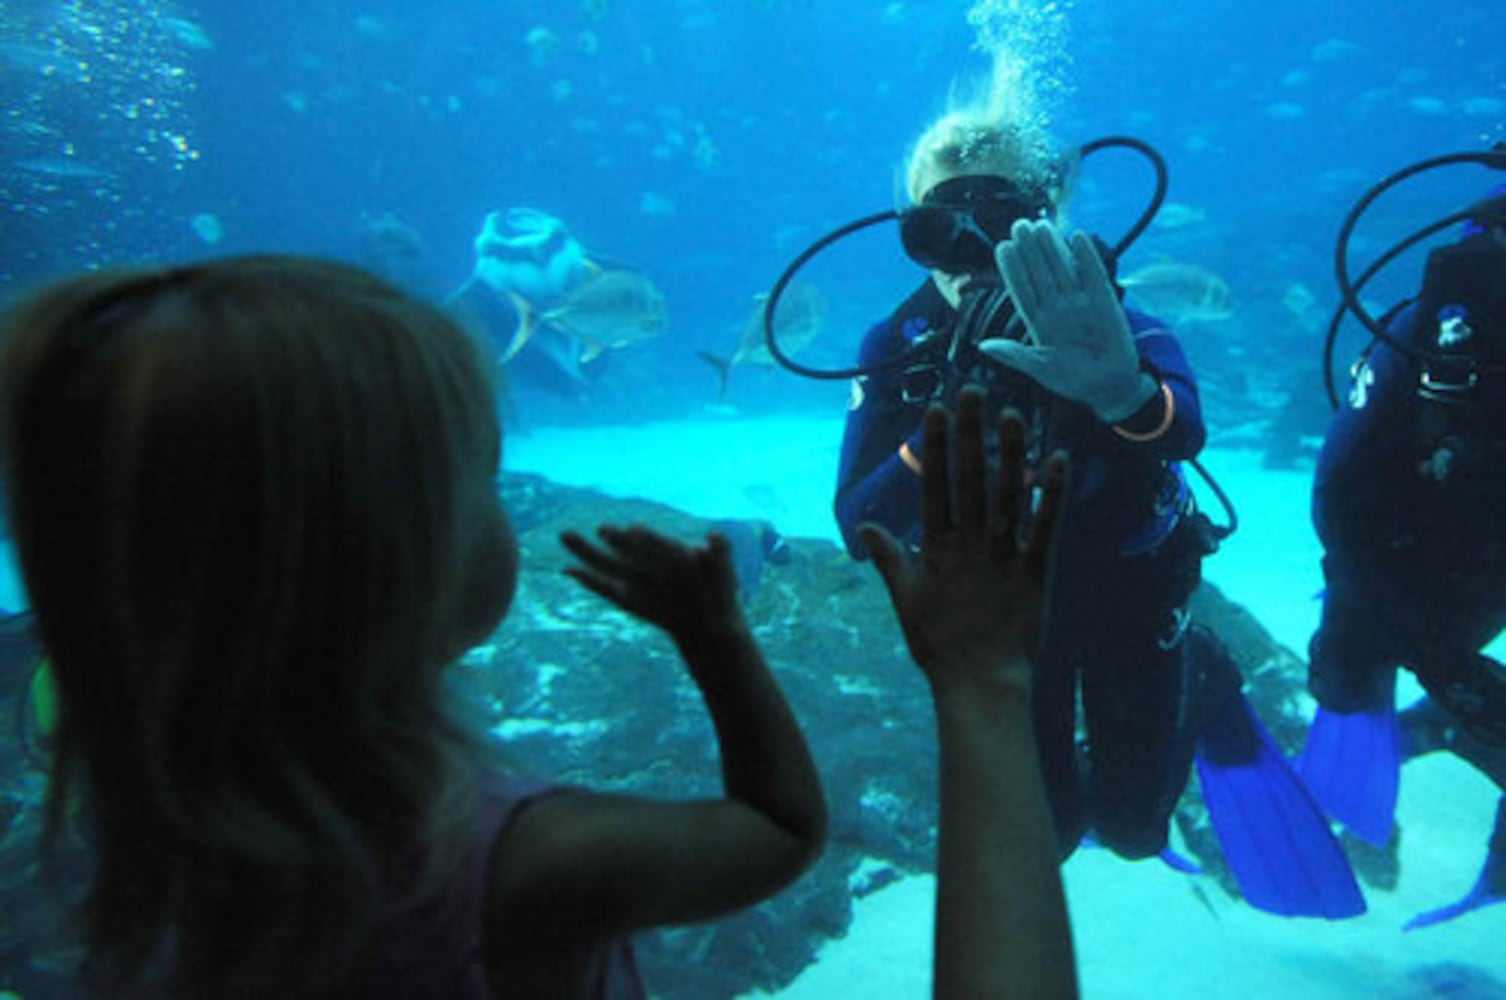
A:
[460,292]
[591,352]
[723,368]
[525,330]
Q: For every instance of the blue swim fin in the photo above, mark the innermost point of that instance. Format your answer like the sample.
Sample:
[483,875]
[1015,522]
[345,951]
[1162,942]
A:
[1489,888]
[1352,765]
[1274,835]
[1179,862]
[1480,896]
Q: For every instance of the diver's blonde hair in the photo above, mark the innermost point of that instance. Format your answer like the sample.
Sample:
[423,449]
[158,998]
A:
[991,127]
[970,141]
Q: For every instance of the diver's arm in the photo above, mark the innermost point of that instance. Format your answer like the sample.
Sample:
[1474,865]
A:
[1084,347]
[1169,423]
[888,494]
[879,475]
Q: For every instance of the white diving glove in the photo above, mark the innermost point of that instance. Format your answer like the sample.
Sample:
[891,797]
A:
[1080,344]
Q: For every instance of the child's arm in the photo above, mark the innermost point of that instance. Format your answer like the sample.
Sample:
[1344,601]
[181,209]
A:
[577,869]
[970,605]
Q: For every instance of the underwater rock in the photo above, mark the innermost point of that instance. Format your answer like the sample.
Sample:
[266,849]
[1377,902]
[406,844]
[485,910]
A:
[589,695]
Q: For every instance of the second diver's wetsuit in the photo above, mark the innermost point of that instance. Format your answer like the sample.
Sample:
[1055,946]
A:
[1127,558]
[1407,503]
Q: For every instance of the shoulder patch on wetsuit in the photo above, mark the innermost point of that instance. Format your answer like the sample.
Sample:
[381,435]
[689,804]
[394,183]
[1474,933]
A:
[1359,389]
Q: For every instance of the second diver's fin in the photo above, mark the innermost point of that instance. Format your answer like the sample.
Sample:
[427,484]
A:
[1352,765]
[1179,862]
[1275,838]
[1481,895]
[1489,888]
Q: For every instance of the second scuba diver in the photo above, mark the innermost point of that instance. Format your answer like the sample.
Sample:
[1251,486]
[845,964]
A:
[1407,502]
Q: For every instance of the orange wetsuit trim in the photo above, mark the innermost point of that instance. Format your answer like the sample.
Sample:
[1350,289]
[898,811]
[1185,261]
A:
[908,457]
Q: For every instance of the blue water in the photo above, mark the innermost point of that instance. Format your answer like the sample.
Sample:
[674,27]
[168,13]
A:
[706,143]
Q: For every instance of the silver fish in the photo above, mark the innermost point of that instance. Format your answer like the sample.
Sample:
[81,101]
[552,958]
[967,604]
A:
[800,315]
[61,168]
[1180,293]
[612,309]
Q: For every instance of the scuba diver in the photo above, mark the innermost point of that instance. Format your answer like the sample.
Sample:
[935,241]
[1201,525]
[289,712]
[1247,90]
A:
[1407,503]
[1036,321]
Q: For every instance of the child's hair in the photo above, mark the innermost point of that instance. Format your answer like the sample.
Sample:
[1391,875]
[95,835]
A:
[248,498]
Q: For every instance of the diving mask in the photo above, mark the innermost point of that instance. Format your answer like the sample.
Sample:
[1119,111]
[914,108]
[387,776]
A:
[958,223]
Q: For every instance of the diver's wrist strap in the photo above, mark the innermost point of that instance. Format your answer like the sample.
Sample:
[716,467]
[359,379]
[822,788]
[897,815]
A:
[1169,414]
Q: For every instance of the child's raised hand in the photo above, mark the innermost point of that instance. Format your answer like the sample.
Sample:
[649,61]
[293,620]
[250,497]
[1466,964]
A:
[685,590]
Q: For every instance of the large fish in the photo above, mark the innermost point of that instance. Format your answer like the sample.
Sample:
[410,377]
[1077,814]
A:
[534,286]
[799,317]
[611,309]
[1179,293]
[530,253]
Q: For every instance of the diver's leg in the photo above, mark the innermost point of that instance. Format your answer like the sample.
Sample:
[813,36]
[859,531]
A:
[1466,610]
[1135,687]
[1465,711]
[1353,656]
[1138,752]
[1351,760]
[1054,705]
[1427,727]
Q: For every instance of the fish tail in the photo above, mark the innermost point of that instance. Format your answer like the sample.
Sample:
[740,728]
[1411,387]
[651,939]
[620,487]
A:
[525,327]
[723,368]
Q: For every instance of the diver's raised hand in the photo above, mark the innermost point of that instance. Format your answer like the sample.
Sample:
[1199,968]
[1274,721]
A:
[685,590]
[1083,348]
[970,604]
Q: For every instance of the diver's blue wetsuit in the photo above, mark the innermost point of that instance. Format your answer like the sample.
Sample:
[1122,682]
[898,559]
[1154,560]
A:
[1407,502]
[1127,558]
